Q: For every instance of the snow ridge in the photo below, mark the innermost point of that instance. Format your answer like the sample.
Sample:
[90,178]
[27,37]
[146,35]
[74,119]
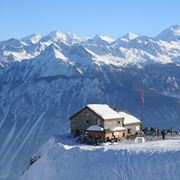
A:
[106,162]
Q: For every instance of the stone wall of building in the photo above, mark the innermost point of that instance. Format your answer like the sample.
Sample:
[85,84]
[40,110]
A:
[86,118]
[83,120]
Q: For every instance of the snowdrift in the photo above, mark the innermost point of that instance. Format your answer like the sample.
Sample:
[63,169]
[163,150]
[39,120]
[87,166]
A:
[150,161]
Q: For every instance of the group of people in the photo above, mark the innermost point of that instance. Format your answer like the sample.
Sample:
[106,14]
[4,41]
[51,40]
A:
[156,132]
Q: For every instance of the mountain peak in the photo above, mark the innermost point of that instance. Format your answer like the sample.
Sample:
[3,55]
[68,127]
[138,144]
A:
[68,38]
[32,38]
[175,27]
[105,38]
[101,39]
[130,36]
[57,35]
[170,34]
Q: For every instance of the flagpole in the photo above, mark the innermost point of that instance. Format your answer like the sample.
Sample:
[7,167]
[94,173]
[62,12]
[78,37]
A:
[142,105]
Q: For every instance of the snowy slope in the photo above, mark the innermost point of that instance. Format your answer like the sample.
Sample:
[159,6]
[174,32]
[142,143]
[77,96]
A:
[44,80]
[124,160]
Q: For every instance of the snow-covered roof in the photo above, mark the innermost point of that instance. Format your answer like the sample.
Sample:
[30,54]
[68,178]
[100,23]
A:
[104,111]
[95,128]
[129,119]
[118,128]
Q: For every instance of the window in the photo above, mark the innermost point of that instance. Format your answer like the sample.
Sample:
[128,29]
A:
[98,122]
[129,131]
[118,122]
[87,122]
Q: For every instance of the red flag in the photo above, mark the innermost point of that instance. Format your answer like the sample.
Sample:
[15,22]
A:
[142,96]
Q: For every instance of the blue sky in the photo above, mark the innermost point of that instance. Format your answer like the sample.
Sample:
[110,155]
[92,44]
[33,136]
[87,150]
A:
[114,18]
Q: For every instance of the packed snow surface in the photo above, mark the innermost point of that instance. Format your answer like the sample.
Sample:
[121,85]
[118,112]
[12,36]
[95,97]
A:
[124,160]
[104,111]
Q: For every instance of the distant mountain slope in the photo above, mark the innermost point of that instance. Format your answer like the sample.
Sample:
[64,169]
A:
[44,80]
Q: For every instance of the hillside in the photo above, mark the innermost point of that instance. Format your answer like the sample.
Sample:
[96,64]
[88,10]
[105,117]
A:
[45,79]
[123,160]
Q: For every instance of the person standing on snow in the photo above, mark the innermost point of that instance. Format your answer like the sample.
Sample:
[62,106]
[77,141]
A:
[163,134]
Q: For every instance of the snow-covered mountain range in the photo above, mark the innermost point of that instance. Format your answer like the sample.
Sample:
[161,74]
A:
[45,79]
[127,50]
